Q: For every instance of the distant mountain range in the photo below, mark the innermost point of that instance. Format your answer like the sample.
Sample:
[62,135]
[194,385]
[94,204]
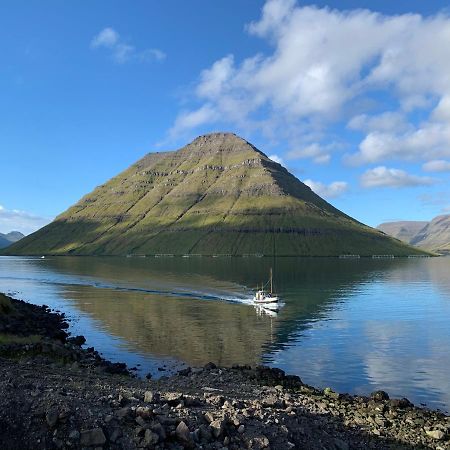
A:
[432,236]
[9,238]
[217,195]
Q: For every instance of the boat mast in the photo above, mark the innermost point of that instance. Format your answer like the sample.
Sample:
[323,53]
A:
[271,280]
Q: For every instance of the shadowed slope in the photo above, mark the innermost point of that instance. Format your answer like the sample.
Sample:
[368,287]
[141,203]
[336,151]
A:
[217,195]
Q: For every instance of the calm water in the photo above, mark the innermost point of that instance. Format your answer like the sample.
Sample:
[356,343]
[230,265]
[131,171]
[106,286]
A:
[353,325]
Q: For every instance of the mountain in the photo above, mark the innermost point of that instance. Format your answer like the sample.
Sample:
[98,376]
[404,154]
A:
[9,238]
[405,230]
[433,236]
[217,195]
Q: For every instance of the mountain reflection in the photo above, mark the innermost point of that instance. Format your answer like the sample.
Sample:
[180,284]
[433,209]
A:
[354,325]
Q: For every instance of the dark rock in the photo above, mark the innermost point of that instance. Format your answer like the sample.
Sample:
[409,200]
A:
[185,372]
[74,435]
[379,396]
[150,437]
[77,340]
[52,417]
[94,437]
[210,366]
[401,403]
[115,434]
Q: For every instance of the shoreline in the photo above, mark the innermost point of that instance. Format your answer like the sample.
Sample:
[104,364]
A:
[56,394]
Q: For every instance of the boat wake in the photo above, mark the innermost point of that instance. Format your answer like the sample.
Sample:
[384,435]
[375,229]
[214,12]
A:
[182,292]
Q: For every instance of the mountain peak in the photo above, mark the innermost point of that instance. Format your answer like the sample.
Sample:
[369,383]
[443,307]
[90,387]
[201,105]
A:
[219,142]
[217,195]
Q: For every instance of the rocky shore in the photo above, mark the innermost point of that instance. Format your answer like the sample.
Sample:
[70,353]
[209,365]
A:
[57,395]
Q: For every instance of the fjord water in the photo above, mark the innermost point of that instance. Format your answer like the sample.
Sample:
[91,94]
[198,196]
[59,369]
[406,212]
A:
[354,325]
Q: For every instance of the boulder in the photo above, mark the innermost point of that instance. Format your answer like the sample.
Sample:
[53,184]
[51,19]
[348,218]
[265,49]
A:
[92,438]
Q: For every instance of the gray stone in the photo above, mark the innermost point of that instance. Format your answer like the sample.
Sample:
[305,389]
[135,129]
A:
[148,396]
[90,438]
[209,417]
[182,432]
[159,430]
[259,442]
[74,435]
[115,434]
[52,417]
[217,427]
[330,393]
[150,437]
[241,429]
[438,435]
[141,421]
[340,444]
[173,398]
[143,411]
[123,412]
[271,401]
[379,396]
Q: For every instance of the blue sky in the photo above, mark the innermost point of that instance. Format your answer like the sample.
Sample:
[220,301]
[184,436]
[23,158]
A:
[355,102]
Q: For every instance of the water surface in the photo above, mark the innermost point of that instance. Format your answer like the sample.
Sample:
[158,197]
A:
[353,325]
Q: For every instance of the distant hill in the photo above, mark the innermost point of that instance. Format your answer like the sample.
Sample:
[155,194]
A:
[217,195]
[405,230]
[432,236]
[9,238]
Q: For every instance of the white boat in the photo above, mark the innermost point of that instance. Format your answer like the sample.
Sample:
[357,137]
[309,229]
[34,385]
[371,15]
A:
[266,299]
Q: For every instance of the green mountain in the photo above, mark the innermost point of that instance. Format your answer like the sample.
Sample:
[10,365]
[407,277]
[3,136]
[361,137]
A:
[217,195]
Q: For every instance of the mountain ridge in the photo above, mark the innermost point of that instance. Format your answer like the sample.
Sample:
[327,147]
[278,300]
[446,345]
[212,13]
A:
[217,195]
[6,239]
[432,236]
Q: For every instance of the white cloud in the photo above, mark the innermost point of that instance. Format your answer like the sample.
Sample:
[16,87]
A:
[320,154]
[331,190]
[437,165]
[388,121]
[324,64]
[16,220]
[277,159]
[108,37]
[192,119]
[431,140]
[121,51]
[387,177]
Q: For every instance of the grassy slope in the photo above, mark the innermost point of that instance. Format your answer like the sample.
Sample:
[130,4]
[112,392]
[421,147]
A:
[217,195]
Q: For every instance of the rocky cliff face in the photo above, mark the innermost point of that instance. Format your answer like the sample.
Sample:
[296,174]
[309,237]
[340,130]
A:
[433,236]
[217,195]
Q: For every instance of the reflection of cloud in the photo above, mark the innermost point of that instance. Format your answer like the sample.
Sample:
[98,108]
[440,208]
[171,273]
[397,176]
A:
[420,373]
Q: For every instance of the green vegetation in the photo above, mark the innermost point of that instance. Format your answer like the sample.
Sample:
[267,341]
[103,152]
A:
[217,195]
[7,339]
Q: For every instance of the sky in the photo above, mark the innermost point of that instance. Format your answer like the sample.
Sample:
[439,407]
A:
[353,97]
